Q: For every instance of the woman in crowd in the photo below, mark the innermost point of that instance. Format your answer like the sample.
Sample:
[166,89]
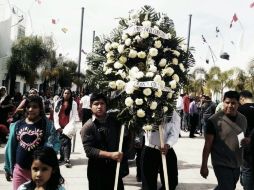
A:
[65,115]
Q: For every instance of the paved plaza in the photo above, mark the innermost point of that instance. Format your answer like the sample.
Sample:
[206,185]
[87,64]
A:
[188,150]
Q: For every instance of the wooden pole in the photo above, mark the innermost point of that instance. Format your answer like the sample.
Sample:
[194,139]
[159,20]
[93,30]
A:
[163,157]
[120,150]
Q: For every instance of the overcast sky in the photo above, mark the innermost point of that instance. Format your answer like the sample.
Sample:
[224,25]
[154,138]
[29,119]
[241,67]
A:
[101,16]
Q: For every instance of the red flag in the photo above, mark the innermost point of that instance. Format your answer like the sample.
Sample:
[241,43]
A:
[252,5]
[53,21]
[234,19]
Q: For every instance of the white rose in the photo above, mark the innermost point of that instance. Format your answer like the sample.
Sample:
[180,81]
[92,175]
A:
[121,73]
[156,27]
[146,23]
[120,84]
[129,89]
[165,109]
[175,61]
[134,70]
[114,45]
[147,91]
[107,47]
[140,74]
[112,84]
[162,62]
[120,48]
[132,54]
[128,42]
[118,65]
[110,60]
[110,54]
[139,101]
[158,93]
[123,59]
[144,35]
[153,105]
[128,102]
[177,53]
[157,78]
[170,95]
[137,38]
[162,84]
[175,77]
[124,36]
[149,74]
[108,71]
[150,61]
[172,84]
[141,113]
[152,68]
[141,54]
[148,127]
[181,67]
[167,71]
[157,44]
[153,52]
[169,35]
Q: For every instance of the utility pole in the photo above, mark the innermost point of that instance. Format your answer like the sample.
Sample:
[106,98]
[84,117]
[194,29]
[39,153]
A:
[80,44]
[188,40]
[188,46]
[79,60]
[93,41]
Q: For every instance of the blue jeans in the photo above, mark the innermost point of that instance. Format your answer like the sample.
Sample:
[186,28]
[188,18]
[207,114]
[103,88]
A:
[247,178]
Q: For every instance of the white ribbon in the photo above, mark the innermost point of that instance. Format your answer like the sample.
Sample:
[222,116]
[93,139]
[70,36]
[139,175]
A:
[150,84]
[133,29]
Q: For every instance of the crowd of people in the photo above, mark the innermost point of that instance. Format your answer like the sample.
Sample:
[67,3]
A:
[40,131]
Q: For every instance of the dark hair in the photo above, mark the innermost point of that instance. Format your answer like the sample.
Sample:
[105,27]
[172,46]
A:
[232,95]
[99,96]
[246,94]
[36,100]
[68,109]
[48,156]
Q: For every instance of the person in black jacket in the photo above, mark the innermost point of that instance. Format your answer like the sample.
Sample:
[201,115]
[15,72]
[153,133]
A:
[100,138]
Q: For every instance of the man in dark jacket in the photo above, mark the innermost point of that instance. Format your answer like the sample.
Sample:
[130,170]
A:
[100,138]
[247,109]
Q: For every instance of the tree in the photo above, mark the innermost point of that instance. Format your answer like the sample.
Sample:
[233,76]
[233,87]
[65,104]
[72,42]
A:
[28,54]
[217,80]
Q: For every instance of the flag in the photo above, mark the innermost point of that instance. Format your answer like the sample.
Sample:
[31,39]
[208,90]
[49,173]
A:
[64,30]
[217,31]
[53,21]
[38,1]
[204,40]
[13,10]
[252,5]
[83,51]
[234,19]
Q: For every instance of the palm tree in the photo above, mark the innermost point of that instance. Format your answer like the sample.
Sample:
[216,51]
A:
[217,80]
[199,76]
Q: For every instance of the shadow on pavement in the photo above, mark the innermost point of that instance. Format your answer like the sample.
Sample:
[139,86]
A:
[79,161]
[195,186]
[184,165]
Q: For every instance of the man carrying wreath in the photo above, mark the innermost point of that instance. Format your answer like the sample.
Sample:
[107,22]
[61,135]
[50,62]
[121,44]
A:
[151,156]
[100,138]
